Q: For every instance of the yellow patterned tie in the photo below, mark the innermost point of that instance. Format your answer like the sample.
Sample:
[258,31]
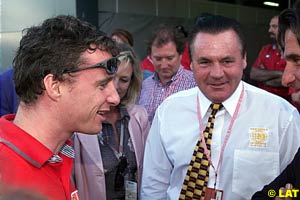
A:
[196,178]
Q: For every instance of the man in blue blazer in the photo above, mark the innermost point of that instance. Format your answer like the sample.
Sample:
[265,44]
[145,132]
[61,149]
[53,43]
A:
[8,97]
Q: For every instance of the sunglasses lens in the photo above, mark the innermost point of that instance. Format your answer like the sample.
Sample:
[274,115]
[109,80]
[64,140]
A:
[112,65]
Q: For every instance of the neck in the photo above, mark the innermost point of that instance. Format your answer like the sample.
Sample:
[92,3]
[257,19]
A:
[164,80]
[42,126]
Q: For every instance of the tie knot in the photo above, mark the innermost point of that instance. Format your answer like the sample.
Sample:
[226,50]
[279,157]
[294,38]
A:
[215,107]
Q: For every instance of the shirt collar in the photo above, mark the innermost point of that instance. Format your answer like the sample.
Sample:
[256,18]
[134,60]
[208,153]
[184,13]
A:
[25,145]
[66,150]
[175,76]
[229,104]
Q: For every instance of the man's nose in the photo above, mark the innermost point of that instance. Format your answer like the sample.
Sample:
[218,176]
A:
[113,96]
[217,70]
[288,76]
[116,83]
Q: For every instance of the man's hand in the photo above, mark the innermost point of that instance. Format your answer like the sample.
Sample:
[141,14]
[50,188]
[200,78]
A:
[288,186]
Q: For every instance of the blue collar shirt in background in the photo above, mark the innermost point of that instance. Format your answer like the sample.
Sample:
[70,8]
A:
[153,92]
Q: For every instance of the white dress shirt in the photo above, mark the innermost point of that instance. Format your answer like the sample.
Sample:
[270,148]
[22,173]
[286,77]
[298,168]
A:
[264,138]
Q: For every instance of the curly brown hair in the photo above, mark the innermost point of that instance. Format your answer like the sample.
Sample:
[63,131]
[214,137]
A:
[53,47]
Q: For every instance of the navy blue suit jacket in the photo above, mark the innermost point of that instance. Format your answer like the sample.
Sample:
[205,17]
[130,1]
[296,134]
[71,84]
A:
[291,174]
[8,97]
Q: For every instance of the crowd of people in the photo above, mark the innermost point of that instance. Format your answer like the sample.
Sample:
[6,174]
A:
[83,118]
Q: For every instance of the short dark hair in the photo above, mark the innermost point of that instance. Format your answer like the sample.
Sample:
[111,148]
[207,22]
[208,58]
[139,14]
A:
[289,19]
[164,34]
[51,48]
[215,24]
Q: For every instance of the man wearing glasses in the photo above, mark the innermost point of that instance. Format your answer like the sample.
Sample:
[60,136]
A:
[63,73]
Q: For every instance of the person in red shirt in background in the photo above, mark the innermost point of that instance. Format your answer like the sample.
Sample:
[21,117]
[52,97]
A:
[268,67]
[147,63]
[63,75]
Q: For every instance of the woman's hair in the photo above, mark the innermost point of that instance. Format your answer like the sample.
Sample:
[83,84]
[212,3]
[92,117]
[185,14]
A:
[124,35]
[128,56]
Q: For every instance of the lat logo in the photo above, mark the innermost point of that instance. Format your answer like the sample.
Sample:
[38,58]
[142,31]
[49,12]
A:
[289,193]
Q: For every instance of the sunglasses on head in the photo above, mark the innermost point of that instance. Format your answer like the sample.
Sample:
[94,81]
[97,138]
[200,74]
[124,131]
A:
[110,65]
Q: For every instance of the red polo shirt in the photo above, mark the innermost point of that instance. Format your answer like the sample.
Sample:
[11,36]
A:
[24,164]
[270,58]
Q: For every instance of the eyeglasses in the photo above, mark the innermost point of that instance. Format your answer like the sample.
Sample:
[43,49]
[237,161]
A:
[121,171]
[110,65]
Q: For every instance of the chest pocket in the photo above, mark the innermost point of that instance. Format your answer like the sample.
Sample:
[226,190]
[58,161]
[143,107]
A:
[252,170]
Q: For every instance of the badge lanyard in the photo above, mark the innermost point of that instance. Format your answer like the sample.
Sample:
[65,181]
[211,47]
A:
[226,137]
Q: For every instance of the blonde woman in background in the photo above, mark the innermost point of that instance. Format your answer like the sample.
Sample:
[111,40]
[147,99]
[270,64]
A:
[109,165]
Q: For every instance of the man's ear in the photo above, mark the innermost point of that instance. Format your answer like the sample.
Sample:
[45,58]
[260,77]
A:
[191,66]
[52,86]
[245,61]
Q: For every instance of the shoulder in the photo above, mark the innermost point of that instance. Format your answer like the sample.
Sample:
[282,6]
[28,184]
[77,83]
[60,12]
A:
[147,74]
[188,73]
[188,78]
[137,111]
[260,97]
[186,96]
[267,47]
[148,80]
[134,108]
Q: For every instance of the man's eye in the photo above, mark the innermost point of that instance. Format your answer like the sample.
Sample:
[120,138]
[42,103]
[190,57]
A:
[103,85]
[228,61]
[203,62]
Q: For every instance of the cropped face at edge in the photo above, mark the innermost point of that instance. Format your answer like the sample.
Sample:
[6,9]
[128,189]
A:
[291,75]
[218,64]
